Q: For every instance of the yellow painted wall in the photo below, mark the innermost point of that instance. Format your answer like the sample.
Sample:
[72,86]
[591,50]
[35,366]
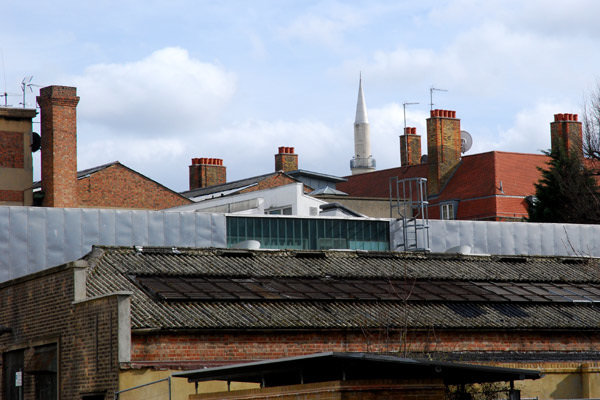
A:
[560,380]
[180,388]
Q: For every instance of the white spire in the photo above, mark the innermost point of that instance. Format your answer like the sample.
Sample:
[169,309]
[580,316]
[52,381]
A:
[362,161]
[361,108]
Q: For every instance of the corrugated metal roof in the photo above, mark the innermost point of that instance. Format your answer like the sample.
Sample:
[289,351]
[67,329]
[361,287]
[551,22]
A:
[331,366]
[255,289]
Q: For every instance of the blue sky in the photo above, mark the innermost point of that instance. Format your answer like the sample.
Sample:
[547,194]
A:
[162,82]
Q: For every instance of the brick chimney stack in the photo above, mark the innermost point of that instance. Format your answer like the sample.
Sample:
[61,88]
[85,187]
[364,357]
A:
[206,172]
[566,131]
[59,145]
[410,147]
[286,160]
[443,148]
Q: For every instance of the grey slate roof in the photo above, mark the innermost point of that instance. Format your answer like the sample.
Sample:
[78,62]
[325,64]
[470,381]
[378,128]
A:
[243,289]
[83,173]
[229,186]
[317,175]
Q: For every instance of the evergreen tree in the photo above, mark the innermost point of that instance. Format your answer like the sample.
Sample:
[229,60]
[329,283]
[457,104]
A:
[566,192]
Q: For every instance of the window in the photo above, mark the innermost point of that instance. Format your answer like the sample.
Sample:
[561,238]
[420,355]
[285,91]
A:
[309,233]
[43,366]
[12,371]
[447,211]
[279,211]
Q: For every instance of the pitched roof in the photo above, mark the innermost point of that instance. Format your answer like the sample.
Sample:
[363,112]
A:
[245,289]
[233,187]
[323,367]
[477,175]
[85,172]
[377,183]
[300,173]
[480,175]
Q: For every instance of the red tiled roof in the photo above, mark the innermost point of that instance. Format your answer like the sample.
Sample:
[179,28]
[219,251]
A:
[377,183]
[476,183]
[479,175]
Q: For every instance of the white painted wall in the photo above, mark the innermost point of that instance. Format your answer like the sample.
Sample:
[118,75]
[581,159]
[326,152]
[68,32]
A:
[259,201]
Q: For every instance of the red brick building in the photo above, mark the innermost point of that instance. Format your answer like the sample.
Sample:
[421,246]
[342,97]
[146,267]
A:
[491,186]
[107,186]
[126,316]
[114,185]
[208,177]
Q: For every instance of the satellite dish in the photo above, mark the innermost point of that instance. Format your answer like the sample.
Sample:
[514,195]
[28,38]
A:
[424,159]
[36,142]
[466,141]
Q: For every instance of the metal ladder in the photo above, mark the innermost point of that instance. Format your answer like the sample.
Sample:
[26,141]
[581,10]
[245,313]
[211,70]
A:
[408,197]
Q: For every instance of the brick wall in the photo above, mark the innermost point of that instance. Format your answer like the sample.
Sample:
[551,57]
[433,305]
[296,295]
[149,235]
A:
[11,150]
[59,145]
[566,131]
[119,187]
[198,350]
[286,160]
[12,195]
[40,310]
[206,172]
[443,148]
[410,147]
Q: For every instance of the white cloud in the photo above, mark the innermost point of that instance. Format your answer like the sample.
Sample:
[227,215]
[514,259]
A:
[248,148]
[530,132]
[161,95]
[326,25]
[386,126]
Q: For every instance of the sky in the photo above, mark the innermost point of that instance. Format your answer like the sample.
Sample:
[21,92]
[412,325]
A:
[162,82]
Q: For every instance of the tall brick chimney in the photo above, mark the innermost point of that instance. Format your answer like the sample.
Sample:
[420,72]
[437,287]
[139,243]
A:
[410,147]
[59,145]
[443,148]
[286,160]
[206,172]
[566,131]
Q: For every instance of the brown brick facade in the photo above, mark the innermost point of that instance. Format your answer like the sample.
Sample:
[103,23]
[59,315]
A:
[11,149]
[59,145]
[12,195]
[40,310]
[198,350]
[119,187]
[443,148]
[286,160]
[566,131]
[410,147]
[206,172]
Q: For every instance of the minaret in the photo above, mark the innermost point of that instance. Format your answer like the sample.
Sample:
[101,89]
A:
[362,161]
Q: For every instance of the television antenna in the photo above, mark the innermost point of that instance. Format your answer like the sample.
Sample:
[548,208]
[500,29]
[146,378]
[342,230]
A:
[404,106]
[26,83]
[466,141]
[431,90]
[406,103]
[5,95]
